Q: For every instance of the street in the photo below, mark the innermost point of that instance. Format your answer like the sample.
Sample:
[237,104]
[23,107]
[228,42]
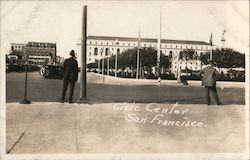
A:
[108,125]
[49,90]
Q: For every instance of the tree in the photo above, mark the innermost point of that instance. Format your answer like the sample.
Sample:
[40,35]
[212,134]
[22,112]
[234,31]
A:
[225,58]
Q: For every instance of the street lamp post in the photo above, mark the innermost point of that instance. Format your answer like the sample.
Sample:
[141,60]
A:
[25,100]
[116,43]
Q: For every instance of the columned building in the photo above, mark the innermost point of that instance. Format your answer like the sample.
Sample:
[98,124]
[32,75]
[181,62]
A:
[99,47]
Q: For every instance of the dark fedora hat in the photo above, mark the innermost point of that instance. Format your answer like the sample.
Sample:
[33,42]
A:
[72,53]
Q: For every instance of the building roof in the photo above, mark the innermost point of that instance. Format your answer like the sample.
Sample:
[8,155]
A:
[41,44]
[147,40]
[17,43]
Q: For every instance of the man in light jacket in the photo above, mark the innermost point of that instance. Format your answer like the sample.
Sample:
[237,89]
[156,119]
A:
[209,77]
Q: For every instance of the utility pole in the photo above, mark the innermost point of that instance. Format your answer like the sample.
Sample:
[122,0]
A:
[83,75]
[159,48]
[138,57]
[116,43]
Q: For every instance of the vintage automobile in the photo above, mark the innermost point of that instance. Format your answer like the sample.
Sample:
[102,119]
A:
[52,71]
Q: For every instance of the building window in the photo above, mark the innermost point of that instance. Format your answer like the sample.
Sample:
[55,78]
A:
[170,46]
[180,62]
[89,47]
[165,46]
[106,52]
[101,43]
[196,47]
[201,47]
[89,59]
[107,43]
[206,48]
[144,44]
[118,51]
[89,53]
[176,46]
[191,47]
[175,67]
[96,51]
[95,42]
[181,46]
[129,44]
[89,42]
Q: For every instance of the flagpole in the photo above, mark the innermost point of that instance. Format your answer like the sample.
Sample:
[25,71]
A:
[138,57]
[159,47]
[211,49]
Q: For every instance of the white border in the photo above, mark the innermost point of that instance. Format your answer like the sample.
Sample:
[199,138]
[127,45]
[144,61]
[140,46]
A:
[173,156]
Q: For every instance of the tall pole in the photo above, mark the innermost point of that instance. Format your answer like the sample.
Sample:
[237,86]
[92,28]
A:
[25,100]
[83,76]
[211,49]
[102,65]
[108,64]
[159,47]
[116,43]
[211,52]
[138,57]
[99,65]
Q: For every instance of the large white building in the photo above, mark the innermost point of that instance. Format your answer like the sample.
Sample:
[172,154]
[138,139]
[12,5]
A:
[99,47]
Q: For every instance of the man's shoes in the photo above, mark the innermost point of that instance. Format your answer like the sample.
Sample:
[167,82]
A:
[61,101]
[71,102]
[218,104]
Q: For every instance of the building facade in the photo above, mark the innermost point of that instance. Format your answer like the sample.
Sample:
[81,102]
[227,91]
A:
[17,49]
[40,53]
[99,47]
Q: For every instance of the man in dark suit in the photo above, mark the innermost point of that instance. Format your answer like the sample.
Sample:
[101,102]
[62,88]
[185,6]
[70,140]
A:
[70,68]
[209,78]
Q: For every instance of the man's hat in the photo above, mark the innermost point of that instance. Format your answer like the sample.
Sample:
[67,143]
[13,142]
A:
[72,53]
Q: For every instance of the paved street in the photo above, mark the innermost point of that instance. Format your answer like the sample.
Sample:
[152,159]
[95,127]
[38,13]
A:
[119,90]
[124,128]
[189,126]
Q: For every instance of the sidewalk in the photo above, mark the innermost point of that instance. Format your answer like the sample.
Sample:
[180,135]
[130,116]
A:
[131,81]
[124,128]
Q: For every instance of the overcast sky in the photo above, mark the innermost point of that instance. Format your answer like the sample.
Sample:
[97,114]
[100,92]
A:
[60,21]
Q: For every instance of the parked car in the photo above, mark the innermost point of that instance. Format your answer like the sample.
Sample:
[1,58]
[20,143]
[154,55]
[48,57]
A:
[52,71]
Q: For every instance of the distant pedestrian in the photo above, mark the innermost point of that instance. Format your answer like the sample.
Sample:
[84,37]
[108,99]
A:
[209,77]
[159,81]
[70,68]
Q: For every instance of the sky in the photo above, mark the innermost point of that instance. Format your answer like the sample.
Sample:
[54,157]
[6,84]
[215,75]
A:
[60,22]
